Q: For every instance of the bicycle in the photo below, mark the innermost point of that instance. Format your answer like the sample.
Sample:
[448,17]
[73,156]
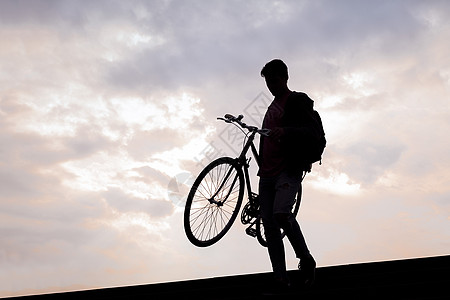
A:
[215,198]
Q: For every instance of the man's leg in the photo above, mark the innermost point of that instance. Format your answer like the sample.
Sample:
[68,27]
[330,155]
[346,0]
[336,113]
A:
[286,189]
[275,245]
[289,223]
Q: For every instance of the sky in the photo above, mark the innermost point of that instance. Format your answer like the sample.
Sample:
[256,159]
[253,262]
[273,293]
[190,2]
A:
[108,113]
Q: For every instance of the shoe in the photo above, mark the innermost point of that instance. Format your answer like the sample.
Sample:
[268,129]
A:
[307,266]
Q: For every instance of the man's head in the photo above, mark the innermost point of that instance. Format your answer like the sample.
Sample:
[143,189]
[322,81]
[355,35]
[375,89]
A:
[275,72]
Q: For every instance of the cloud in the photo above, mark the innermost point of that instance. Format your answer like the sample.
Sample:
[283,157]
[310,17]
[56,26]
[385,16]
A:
[108,110]
[127,203]
[145,143]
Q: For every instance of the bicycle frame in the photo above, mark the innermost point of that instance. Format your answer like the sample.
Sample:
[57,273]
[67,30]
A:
[242,158]
[244,162]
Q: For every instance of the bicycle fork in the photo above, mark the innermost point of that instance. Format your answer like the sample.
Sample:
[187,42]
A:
[221,202]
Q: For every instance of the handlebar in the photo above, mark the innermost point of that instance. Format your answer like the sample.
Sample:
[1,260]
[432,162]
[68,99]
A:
[228,118]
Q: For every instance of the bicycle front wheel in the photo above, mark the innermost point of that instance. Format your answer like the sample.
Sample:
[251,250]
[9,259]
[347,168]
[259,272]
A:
[214,202]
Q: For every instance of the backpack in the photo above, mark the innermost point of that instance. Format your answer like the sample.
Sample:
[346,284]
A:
[316,146]
[307,148]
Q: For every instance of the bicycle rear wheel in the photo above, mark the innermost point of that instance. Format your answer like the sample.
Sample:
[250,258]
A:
[214,202]
[260,235]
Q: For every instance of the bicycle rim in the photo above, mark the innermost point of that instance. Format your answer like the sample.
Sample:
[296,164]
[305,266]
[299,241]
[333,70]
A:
[213,202]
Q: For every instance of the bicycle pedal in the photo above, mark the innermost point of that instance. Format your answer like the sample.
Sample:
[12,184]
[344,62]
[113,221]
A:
[251,231]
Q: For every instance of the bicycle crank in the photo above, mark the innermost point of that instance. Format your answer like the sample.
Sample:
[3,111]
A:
[251,231]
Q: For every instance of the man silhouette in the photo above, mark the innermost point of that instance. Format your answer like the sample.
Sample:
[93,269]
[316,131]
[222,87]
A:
[290,119]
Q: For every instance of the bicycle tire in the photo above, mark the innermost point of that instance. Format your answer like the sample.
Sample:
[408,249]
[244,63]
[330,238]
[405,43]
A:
[260,228]
[206,222]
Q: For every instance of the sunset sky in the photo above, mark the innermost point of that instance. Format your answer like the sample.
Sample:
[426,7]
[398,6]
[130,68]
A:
[108,112]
